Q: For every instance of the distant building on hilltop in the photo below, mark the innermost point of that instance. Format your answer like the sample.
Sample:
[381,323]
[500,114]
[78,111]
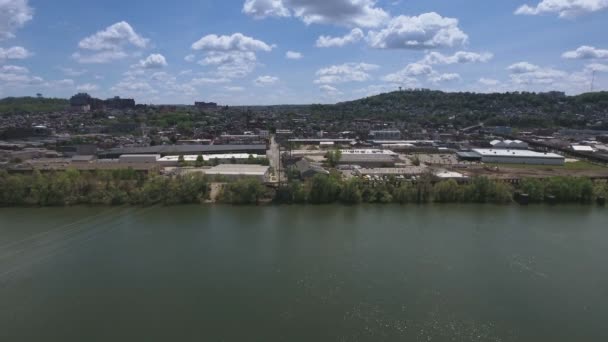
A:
[118,103]
[205,105]
[81,102]
[84,102]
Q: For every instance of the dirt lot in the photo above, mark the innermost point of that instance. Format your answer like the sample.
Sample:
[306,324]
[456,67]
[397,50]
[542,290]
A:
[438,159]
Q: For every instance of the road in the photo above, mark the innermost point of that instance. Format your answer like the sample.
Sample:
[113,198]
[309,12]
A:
[274,156]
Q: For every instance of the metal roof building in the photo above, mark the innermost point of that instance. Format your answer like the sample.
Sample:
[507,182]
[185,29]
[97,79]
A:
[321,141]
[222,158]
[468,156]
[168,150]
[582,148]
[236,171]
[509,144]
[404,171]
[500,156]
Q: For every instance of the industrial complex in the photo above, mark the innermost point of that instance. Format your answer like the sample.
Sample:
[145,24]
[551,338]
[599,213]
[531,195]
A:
[228,144]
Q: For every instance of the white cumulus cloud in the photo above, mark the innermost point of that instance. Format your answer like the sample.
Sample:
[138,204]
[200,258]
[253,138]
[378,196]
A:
[440,78]
[233,56]
[100,57]
[130,87]
[265,80]
[15,69]
[87,88]
[527,73]
[354,36]
[114,37]
[109,44]
[231,64]
[235,42]
[293,55]
[426,31]
[596,67]
[15,52]
[14,14]
[564,8]
[522,68]
[408,74]
[354,13]
[330,91]
[154,61]
[265,8]
[586,52]
[17,76]
[458,57]
[348,72]
[209,80]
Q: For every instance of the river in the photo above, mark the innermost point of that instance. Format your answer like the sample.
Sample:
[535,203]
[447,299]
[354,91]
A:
[331,273]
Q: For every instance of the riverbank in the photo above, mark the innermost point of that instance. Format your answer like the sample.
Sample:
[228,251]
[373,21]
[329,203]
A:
[125,187]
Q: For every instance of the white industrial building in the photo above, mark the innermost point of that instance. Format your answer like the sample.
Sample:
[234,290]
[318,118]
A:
[221,158]
[444,174]
[237,171]
[500,156]
[369,158]
[368,152]
[582,148]
[509,144]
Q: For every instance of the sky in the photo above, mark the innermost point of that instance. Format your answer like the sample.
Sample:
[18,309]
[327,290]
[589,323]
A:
[263,52]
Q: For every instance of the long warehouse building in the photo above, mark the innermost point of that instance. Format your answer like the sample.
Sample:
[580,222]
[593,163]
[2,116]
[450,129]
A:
[500,156]
[175,150]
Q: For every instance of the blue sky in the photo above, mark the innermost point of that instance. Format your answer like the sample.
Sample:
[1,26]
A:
[240,52]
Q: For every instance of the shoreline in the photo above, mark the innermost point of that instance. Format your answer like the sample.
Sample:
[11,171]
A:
[271,204]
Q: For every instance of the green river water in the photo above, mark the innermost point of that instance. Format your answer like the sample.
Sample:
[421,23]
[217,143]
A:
[304,273]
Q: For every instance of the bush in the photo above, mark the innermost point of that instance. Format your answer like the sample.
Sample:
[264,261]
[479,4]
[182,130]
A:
[324,189]
[447,192]
[244,191]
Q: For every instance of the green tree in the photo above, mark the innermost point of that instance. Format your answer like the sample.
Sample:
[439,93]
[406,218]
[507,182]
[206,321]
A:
[324,189]
[484,190]
[244,191]
[535,188]
[334,157]
[351,193]
[424,188]
[447,192]
[405,193]
[199,161]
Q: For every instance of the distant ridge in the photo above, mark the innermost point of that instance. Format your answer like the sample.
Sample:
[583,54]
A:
[471,107]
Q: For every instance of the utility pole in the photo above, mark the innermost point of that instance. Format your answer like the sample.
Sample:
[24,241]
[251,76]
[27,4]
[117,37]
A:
[592,80]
